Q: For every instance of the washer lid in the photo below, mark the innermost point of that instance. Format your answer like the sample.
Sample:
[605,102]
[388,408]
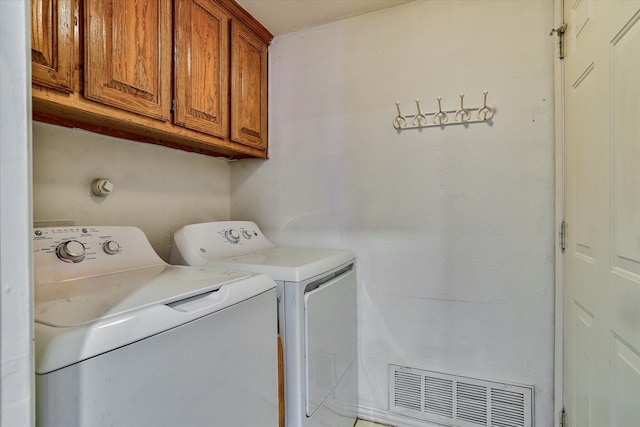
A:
[83,318]
[287,263]
[79,302]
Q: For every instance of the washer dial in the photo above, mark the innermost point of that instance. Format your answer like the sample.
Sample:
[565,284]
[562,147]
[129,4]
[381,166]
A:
[247,234]
[111,247]
[70,251]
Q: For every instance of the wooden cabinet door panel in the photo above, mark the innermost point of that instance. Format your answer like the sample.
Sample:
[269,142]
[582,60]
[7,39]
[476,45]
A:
[201,81]
[248,88]
[52,28]
[128,55]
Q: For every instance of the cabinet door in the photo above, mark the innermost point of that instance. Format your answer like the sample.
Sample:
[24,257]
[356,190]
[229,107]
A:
[128,55]
[248,87]
[52,28]
[201,82]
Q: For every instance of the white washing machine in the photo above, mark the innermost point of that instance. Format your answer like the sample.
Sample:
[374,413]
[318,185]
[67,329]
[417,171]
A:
[124,339]
[317,313]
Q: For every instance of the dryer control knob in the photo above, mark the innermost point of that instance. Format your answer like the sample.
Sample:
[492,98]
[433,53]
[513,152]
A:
[232,235]
[247,234]
[70,251]
[111,247]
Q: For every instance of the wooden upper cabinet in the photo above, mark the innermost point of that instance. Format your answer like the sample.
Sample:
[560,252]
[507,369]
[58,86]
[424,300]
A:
[248,87]
[201,77]
[117,66]
[52,30]
[128,55]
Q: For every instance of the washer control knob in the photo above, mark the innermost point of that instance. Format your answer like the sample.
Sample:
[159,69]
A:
[232,235]
[70,251]
[247,234]
[111,247]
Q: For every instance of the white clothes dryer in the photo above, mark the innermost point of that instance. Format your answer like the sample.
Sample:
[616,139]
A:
[124,339]
[317,313]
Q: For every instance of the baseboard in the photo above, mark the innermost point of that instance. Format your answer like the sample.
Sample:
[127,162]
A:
[395,420]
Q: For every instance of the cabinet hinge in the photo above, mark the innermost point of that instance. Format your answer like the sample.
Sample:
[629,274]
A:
[562,418]
[560,32]
[173,105]
[563,235]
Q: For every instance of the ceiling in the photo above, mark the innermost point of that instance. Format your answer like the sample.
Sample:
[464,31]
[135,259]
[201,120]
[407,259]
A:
[285,16]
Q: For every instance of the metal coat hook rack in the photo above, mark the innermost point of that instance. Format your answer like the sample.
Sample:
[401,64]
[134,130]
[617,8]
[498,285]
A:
[461,115]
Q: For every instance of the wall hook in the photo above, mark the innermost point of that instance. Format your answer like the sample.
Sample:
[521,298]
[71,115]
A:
[440,117]
[485,113]
[419,118]
[399,121]
[462,115]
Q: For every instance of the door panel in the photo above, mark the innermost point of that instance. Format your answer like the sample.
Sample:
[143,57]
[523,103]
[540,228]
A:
[602,209]
[583,365]
[625,97]
[52,33]
[248,88]
[330,337]
[583,93]
[128,55]
[625,383]
[201,67]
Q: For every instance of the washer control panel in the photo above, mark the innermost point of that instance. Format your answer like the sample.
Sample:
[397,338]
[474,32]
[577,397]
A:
[71,252]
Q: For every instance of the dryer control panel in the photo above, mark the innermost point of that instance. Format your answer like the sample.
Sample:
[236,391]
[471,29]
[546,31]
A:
[239,233]
[69,252]
[196,244]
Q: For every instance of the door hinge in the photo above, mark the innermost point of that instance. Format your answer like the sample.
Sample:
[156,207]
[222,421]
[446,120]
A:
[563,235]
[562,418]
[560,32]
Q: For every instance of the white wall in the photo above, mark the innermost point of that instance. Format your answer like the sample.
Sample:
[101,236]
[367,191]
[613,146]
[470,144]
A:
[453,227]
[156,188]
[16,298]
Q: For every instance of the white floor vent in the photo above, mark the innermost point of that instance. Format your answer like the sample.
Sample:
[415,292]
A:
[459,401]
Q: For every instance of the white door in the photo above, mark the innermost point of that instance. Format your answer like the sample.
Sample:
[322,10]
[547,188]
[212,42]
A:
[602,210]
